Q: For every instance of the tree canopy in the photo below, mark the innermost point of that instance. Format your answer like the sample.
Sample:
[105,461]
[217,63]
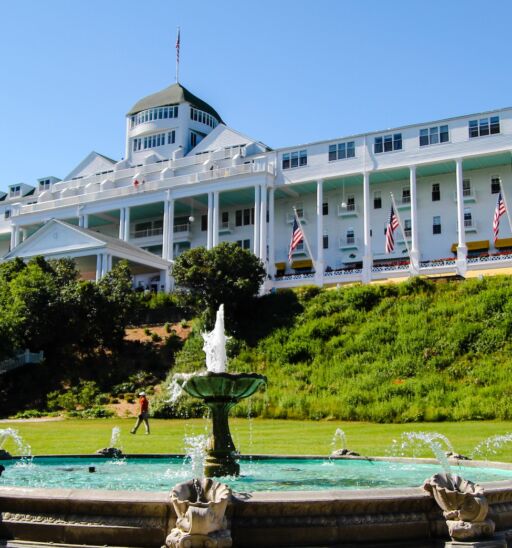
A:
[225,274]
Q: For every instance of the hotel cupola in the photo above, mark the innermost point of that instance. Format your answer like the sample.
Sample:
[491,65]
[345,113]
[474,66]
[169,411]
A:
[167,124]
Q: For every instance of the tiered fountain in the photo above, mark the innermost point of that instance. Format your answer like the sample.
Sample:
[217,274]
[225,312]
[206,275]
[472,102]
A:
[220,391]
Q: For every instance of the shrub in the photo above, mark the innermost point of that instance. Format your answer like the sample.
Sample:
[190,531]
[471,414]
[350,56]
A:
[155,337]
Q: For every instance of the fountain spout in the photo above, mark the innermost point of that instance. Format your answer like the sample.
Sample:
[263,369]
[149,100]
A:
[215,345]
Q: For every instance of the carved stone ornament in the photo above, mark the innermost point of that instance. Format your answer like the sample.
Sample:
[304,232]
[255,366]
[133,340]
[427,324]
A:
[200,506]
[110,452]
[464,506]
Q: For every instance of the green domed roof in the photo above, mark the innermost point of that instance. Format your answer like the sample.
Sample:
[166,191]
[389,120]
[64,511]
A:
[173,95]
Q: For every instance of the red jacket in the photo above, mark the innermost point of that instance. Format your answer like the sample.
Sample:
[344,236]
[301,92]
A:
[143,404]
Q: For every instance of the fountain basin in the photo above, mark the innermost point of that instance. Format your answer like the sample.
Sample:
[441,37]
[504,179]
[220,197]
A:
[232,387]
[367,517]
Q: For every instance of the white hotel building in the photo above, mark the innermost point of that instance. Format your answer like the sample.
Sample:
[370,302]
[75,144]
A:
[188,180]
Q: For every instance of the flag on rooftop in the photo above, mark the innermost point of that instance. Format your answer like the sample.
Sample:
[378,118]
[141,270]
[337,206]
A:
[390,229]
[498,212]
[297,237]
[178,47]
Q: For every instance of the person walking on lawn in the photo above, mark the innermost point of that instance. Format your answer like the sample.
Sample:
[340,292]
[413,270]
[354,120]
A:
[143,414]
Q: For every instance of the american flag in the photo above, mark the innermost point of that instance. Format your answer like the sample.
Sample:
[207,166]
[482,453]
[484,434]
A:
[297,238]
[390,229]
[178,47]
[498,212]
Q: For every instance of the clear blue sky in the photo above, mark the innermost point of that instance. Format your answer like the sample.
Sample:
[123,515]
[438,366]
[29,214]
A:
[282,71]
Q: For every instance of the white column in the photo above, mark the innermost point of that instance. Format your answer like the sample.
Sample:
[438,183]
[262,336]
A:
[126,224]
[367,252]
[209,233]
[415,254]
[319,264]
[263,225]
[271,235]
[15,236]
[215,214]
[257,199]
[85,221]
[104,264]
[170,237]
[121,223]
[109,263]
[99,266]
[462,250]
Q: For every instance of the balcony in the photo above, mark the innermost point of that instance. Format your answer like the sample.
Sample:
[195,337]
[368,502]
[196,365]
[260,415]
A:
[469,225]
[290,217]
[404,203]
[147,233]
[182,232]
[226,228]
[348,242]
[469,195]
[348,210]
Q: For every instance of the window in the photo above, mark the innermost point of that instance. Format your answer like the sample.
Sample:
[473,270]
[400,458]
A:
[15,190]
[351,202]
[468,218]
[153,141]
[436,192]
[406,195]
[169,111]
[196,137]
[325,241]
[297,158]
[407,228]
[433,135]
[388,143]
[244,244]
[377,199]
[244,217]
[325,208]
[225,217]
[204,222]
[341,151]
[202,117]
[44,184]
[484,126]
[436,225]
[495,185]
[351,238]
[466,187]
[7,213]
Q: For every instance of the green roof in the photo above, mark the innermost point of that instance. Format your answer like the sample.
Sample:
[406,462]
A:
[173,95]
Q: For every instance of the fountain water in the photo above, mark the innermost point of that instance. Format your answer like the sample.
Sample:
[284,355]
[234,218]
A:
[340,438]
[220,391]
[114,449]
[437,443]
[491,445]
[22,448]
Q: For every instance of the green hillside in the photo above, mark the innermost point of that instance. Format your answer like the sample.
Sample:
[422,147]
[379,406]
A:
[416,351]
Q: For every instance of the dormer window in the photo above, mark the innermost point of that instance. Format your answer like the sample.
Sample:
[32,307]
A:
[484,126]
[388,143]
[44,184]
[297,158]
[15,191]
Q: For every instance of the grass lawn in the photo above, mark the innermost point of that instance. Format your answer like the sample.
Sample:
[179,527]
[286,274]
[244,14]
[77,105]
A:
[256,436]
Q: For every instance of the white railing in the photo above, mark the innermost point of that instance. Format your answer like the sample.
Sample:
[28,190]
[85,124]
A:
[490,258]
[390,268]
[343,272]
[437,263]
[185,227]
[23,358]
[293,277]
[348,209]
[226,226]
[129,189]
[148,232]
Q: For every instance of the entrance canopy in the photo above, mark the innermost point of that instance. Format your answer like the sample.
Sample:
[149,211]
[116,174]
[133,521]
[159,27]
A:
[94,253]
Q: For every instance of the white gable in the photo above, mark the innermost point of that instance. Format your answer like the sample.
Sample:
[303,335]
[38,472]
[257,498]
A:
[221,137]
[54,238]
[91,164]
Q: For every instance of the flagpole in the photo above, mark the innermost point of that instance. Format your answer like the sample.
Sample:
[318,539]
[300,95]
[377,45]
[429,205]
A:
[304,236]
[178,56]
[502,189]
[400,225]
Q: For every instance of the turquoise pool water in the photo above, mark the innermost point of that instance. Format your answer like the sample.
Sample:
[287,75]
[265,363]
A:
[160,474]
